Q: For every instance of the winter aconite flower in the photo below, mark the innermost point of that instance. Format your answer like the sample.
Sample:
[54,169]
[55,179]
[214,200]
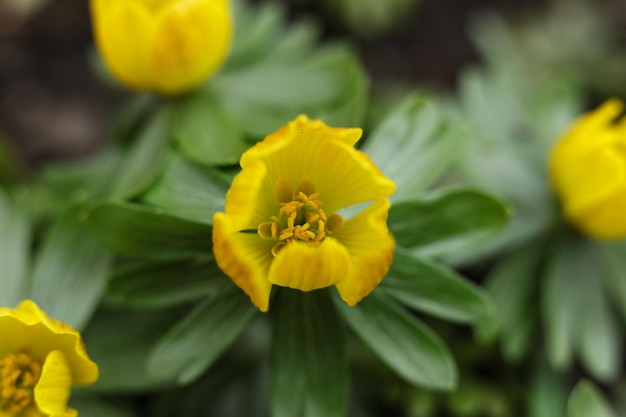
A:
[588,170]
[40,360]
[167,46]
[282,224]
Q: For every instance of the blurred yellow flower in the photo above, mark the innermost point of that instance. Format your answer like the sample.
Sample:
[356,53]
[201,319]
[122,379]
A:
[40,360]
[281,224]
[166,46]
[588,172]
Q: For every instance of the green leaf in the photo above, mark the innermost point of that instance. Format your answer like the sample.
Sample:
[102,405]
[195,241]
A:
[189,192]
[513,284]
[91,406]
[191,346]
[148,284]
[14,251]
[433,288]
[612,259]
[119,341]
[413,146]
[587,401]
[263,97]
[447,221]
[309,374]
[204,132]
[573,280]
[148,232]
[142,163]
[256,32]
[405,344]
[547,396]
[70,271]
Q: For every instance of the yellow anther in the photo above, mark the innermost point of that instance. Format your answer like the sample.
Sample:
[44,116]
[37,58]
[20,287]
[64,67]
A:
[19,373]
[300,218]
[313,218]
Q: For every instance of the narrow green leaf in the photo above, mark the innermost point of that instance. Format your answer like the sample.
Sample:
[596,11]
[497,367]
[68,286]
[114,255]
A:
[14,251]
[92,406]
[447,221]
[559,305]
[547,396]
[512,284]
[612,258]
[413,146]
[309,374]
[143,161]
[70,271]
[188,191]
[191,346]
[599,336]
[573,280]
[433,288]
[204,132]
[404,343]
[148,284]
[119,341]
[148,232]
[587,401]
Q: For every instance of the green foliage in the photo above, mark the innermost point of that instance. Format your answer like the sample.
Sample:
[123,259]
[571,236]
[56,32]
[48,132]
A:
[309,373]
[447,221]
[428,142]
[427,286]
[192,345]
[70,271]
[401,341]
[148,232]
[587,401]
[14,250]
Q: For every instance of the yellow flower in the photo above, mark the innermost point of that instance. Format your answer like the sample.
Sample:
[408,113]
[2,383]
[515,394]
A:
[281,224]
[40,359]
[588,172]
[167,46]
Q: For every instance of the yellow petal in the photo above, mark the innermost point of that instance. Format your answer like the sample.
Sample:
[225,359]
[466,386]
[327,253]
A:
[306,268]
[247,203]
[591,179]
[370,246]
[191,41]
[605,219]
[123,31]
[29,327]
[53,389]
[345,176]
[290,152]
[245,258]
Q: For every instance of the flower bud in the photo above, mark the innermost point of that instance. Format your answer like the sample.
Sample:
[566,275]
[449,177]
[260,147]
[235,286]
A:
[588,172]
[166,46]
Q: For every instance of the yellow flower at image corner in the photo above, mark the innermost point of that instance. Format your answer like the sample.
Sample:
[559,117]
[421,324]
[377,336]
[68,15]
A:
[40,360]
[165,46]
[281,224]
[588,172]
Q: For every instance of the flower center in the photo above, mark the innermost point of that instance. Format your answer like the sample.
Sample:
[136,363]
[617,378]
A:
[300,218]
[19,373]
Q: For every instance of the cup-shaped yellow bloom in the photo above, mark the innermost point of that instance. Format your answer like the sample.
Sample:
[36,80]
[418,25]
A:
[282,224]
[40,360]
[588,172]
[167,46]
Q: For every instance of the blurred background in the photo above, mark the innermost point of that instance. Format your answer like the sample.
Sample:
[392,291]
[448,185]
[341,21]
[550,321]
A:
[52,105]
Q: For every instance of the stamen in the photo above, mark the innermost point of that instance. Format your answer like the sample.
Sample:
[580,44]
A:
[300,218]
[19,374]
